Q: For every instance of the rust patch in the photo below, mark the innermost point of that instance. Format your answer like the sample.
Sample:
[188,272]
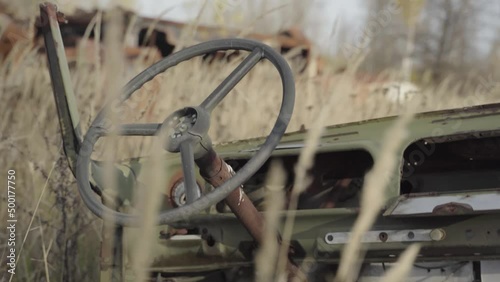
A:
[466,117]
[452,208]
[495,108]
[172,232]
[61,18]
[174,182]
[216,172]
[341,134]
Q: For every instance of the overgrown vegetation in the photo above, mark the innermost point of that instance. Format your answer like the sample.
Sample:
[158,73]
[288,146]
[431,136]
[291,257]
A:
[61,238]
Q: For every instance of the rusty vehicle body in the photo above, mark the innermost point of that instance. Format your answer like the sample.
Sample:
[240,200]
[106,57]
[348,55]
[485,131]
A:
[445,193]
[165,36]
[10,34]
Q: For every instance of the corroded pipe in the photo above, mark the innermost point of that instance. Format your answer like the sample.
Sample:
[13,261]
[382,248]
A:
[216,171]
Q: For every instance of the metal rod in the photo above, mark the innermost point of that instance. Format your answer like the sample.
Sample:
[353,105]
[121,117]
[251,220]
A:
[230,82]
[216,171]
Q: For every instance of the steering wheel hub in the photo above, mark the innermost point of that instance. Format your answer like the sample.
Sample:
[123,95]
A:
[189,124]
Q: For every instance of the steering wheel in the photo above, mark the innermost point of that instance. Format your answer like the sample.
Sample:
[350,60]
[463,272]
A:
[186,130]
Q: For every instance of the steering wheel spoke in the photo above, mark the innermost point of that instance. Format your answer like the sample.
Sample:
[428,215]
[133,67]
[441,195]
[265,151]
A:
[138,129]
[232,80]
[188,169]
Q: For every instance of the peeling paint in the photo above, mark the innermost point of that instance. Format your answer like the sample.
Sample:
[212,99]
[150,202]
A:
[240,200]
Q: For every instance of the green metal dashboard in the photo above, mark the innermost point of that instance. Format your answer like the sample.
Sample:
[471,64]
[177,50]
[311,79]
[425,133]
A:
[444,195]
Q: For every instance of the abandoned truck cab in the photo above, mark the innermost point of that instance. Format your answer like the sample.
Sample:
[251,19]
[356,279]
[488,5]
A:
[445,193]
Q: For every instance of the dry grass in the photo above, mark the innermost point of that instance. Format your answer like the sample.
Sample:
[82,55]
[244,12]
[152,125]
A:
[267,256]
[372,199]
[30,142]
[405,263]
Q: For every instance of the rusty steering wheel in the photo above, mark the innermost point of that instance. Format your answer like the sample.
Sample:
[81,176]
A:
[186,131]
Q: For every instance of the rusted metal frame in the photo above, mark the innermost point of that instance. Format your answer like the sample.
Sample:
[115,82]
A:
[61,82]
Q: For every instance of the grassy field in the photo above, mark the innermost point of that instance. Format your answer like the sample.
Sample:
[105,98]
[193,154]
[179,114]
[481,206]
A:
[56,231]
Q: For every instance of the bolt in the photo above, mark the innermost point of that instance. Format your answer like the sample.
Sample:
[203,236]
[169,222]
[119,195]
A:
[411,235]
[437,234]
[183,127]
[182,199]
[383,236]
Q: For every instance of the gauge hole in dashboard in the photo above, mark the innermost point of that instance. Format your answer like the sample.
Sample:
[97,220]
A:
[462,162]
[337,179]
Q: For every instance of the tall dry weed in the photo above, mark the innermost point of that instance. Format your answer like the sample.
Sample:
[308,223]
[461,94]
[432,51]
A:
[30,140]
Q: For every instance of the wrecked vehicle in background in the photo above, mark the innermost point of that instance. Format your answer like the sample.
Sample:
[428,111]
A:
[444,194]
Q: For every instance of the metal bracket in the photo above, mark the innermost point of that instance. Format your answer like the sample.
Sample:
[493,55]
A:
[388,236]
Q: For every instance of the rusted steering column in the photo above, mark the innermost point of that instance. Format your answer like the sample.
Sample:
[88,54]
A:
[216,171]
